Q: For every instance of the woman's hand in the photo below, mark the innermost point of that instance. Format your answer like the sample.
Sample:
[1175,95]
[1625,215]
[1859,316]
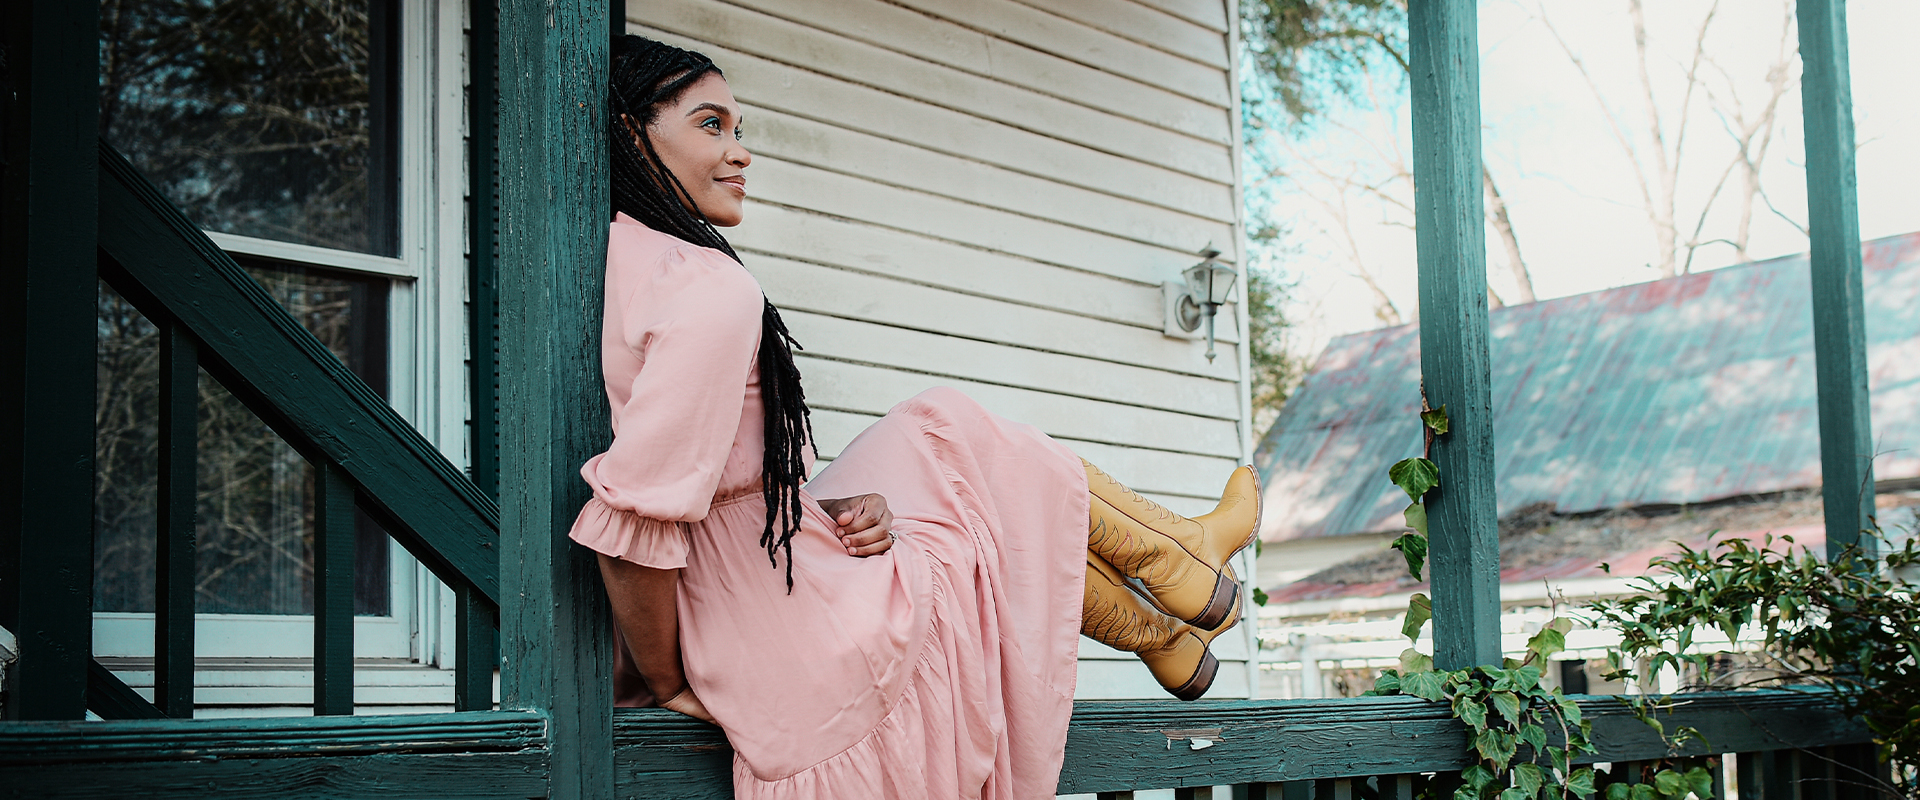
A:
[866,526]
[686,703]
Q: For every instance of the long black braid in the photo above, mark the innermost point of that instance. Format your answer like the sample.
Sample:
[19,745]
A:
[646,75]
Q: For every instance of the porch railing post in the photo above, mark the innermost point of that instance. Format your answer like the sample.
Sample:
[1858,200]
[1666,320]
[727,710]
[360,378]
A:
[1454,362]
[555,629]
[175,560]
[1839,313]
[333,552]
[48,200]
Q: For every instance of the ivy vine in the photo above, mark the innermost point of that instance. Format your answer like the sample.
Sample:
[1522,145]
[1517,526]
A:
[1525,735]
[1849,625]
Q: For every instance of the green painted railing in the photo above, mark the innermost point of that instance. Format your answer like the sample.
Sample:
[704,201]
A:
[213,315]
[1787,746]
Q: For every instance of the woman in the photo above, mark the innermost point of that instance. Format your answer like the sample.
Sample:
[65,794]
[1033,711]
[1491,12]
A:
[904,625]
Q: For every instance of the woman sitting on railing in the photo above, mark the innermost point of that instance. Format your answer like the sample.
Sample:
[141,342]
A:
[946,668]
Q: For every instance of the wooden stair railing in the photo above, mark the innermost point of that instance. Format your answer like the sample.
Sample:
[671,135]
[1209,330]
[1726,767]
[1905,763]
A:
[213,315]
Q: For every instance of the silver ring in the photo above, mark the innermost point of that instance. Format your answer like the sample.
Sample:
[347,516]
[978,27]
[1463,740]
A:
[891,537]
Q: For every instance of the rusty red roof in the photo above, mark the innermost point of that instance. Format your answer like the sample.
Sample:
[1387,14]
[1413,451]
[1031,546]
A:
[1682,390]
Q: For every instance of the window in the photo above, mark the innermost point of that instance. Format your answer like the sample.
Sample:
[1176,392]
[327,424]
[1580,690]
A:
[272,120]
[255,493]
[319,142]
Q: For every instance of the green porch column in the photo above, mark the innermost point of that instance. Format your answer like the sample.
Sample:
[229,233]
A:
[47,254]
[554,626]
[1839,314]
[1449,229]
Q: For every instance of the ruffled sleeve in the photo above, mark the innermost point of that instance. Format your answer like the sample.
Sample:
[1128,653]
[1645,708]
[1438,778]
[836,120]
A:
[679,341]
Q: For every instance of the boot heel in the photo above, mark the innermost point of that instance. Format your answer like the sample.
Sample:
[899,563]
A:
[1226,597]
[1202,680]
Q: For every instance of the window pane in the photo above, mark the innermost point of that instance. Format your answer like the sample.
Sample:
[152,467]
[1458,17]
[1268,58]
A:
[267,119]
[255,493]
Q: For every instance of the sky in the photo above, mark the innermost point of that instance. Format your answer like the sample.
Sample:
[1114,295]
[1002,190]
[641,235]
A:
[1569,186]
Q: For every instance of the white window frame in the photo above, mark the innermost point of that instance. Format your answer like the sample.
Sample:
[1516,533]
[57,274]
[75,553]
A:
[426,354]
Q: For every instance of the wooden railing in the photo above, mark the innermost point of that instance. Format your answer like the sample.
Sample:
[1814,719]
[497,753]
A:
[1787,746]
[212,314]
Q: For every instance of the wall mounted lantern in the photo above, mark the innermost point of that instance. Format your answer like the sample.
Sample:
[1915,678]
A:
[1209,286]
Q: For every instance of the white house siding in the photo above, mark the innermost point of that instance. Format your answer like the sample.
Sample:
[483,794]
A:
[988,195]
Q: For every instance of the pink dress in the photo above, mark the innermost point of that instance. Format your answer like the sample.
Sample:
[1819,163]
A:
[941,669]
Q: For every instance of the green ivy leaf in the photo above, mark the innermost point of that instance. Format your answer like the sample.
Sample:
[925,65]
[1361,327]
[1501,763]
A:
[1426,685]
[1416,517]
[1644,791]
[1515,794]
[1535,737]
[1487,744]
[1419,610]
[1435,420]
[1619,791]
[1581,782]
[1548,641]
[1412,661]
[1414,476]
[1497,746]
[1260,597]
[1507,703]
[1387,684]
[1700,782]
[1669,784]
[1528,778]
[1413,547]
[1560,759]
[1526,678]
[1476,777]
[1470,712]
[1570,710]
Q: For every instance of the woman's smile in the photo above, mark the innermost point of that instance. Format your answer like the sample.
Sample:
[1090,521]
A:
[700,135]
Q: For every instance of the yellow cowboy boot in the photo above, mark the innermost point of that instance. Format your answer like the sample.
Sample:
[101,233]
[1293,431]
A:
[1176,653]
[1178,560]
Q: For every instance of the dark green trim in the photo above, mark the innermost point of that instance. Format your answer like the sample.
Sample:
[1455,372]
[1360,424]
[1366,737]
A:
[555,632]
[111,698]
[475,651]
[476,646]
[267,737]
[166,267]
[1839,312]
[334,546]
[1111,747]
[1450,227]
[174,561]
[1119,746]
[488,755]
[483,294]
[47,218]
[439,776]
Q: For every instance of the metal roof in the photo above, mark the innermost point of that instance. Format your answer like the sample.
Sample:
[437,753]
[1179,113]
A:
[1676,391]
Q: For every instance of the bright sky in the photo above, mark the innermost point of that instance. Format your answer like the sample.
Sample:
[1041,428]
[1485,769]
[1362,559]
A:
[1569,186]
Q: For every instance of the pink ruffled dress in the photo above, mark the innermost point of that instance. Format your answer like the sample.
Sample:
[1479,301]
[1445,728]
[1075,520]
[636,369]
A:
[941,669]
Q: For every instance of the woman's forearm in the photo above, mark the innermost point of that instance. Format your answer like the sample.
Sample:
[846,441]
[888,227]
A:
[644,608]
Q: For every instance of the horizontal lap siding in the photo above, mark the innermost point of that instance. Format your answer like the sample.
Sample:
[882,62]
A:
[988,195]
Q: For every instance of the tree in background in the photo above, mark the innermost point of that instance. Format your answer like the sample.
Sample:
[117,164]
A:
[1659,151]
[1305,56]
[1297,57]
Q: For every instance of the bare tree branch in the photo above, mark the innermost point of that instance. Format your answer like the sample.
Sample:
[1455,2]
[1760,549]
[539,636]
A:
[1497,212]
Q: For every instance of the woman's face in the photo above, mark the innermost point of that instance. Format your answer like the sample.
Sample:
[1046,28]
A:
[698,139]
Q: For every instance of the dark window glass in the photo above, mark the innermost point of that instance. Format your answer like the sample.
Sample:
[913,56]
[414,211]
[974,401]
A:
[267,118]
[255,493]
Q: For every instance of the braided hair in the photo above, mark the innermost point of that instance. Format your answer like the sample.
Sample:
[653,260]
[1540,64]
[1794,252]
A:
[644,76]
